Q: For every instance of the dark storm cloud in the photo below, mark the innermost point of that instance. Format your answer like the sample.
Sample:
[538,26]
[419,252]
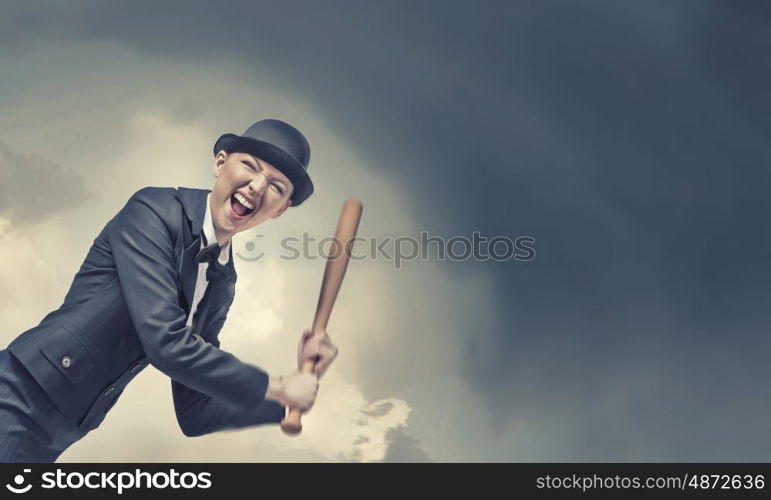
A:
[33,188]
[630,139]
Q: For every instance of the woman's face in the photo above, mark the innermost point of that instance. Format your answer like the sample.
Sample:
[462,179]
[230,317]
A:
[247,192]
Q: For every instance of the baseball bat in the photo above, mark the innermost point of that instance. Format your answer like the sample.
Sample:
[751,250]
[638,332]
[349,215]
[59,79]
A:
[337,263]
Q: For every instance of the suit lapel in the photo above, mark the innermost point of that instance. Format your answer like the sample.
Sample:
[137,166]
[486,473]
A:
[189,271]
[193,203]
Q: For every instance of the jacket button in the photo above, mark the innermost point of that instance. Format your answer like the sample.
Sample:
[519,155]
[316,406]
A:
[66,361]
[109,391]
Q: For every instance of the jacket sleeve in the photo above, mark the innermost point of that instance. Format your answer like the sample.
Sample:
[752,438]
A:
[199,414]
[143,249]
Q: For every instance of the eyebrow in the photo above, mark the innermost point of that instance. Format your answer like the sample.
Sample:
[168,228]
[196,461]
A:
[252,159]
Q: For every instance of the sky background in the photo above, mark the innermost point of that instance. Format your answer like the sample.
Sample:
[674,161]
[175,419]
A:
[630,139]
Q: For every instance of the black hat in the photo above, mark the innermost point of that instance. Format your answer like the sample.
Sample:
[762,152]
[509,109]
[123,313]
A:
[279,144]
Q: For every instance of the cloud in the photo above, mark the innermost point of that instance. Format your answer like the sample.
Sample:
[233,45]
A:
[256,311]
[29,286]
[402,447]
[34,189]
[379,409]
[377,421]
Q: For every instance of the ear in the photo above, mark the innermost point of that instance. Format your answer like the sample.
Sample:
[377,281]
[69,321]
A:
[219,161]
[281,209]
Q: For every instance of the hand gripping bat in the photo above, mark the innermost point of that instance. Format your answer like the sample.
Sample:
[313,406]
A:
[337,262]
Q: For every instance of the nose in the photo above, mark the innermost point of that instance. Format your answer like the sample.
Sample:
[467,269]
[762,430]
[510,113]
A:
[258,184]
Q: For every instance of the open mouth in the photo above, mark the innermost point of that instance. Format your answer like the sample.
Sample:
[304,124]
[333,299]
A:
[240,206]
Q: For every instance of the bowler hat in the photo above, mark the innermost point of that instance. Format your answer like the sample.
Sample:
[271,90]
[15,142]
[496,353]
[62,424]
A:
[279,144]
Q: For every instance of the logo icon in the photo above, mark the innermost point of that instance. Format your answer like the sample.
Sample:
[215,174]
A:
[19,480]
[250,246]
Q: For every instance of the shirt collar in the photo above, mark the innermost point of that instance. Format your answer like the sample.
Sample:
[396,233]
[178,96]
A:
[210,235]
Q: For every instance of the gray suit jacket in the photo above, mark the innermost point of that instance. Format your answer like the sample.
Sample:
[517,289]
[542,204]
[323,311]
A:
[127,307]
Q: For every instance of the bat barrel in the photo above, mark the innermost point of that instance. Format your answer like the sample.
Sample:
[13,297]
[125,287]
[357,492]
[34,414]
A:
[334,272]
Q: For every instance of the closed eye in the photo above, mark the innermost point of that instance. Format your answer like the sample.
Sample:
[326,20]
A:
[278,187]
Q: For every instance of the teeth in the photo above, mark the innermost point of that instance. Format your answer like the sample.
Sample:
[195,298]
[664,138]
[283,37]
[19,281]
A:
[243,201]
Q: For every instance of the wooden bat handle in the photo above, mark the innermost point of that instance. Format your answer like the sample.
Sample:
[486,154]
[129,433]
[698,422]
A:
[337,263]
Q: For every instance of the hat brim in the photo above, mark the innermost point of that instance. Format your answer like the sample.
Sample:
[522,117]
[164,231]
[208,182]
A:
[284,162]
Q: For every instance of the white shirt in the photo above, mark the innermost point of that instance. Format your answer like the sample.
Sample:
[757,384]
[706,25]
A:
[201,282]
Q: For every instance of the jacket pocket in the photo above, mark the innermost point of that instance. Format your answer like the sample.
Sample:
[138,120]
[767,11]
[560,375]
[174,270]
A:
[109,395]
[68,354]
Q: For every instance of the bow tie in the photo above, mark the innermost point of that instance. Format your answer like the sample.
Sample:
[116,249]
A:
[215,271]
